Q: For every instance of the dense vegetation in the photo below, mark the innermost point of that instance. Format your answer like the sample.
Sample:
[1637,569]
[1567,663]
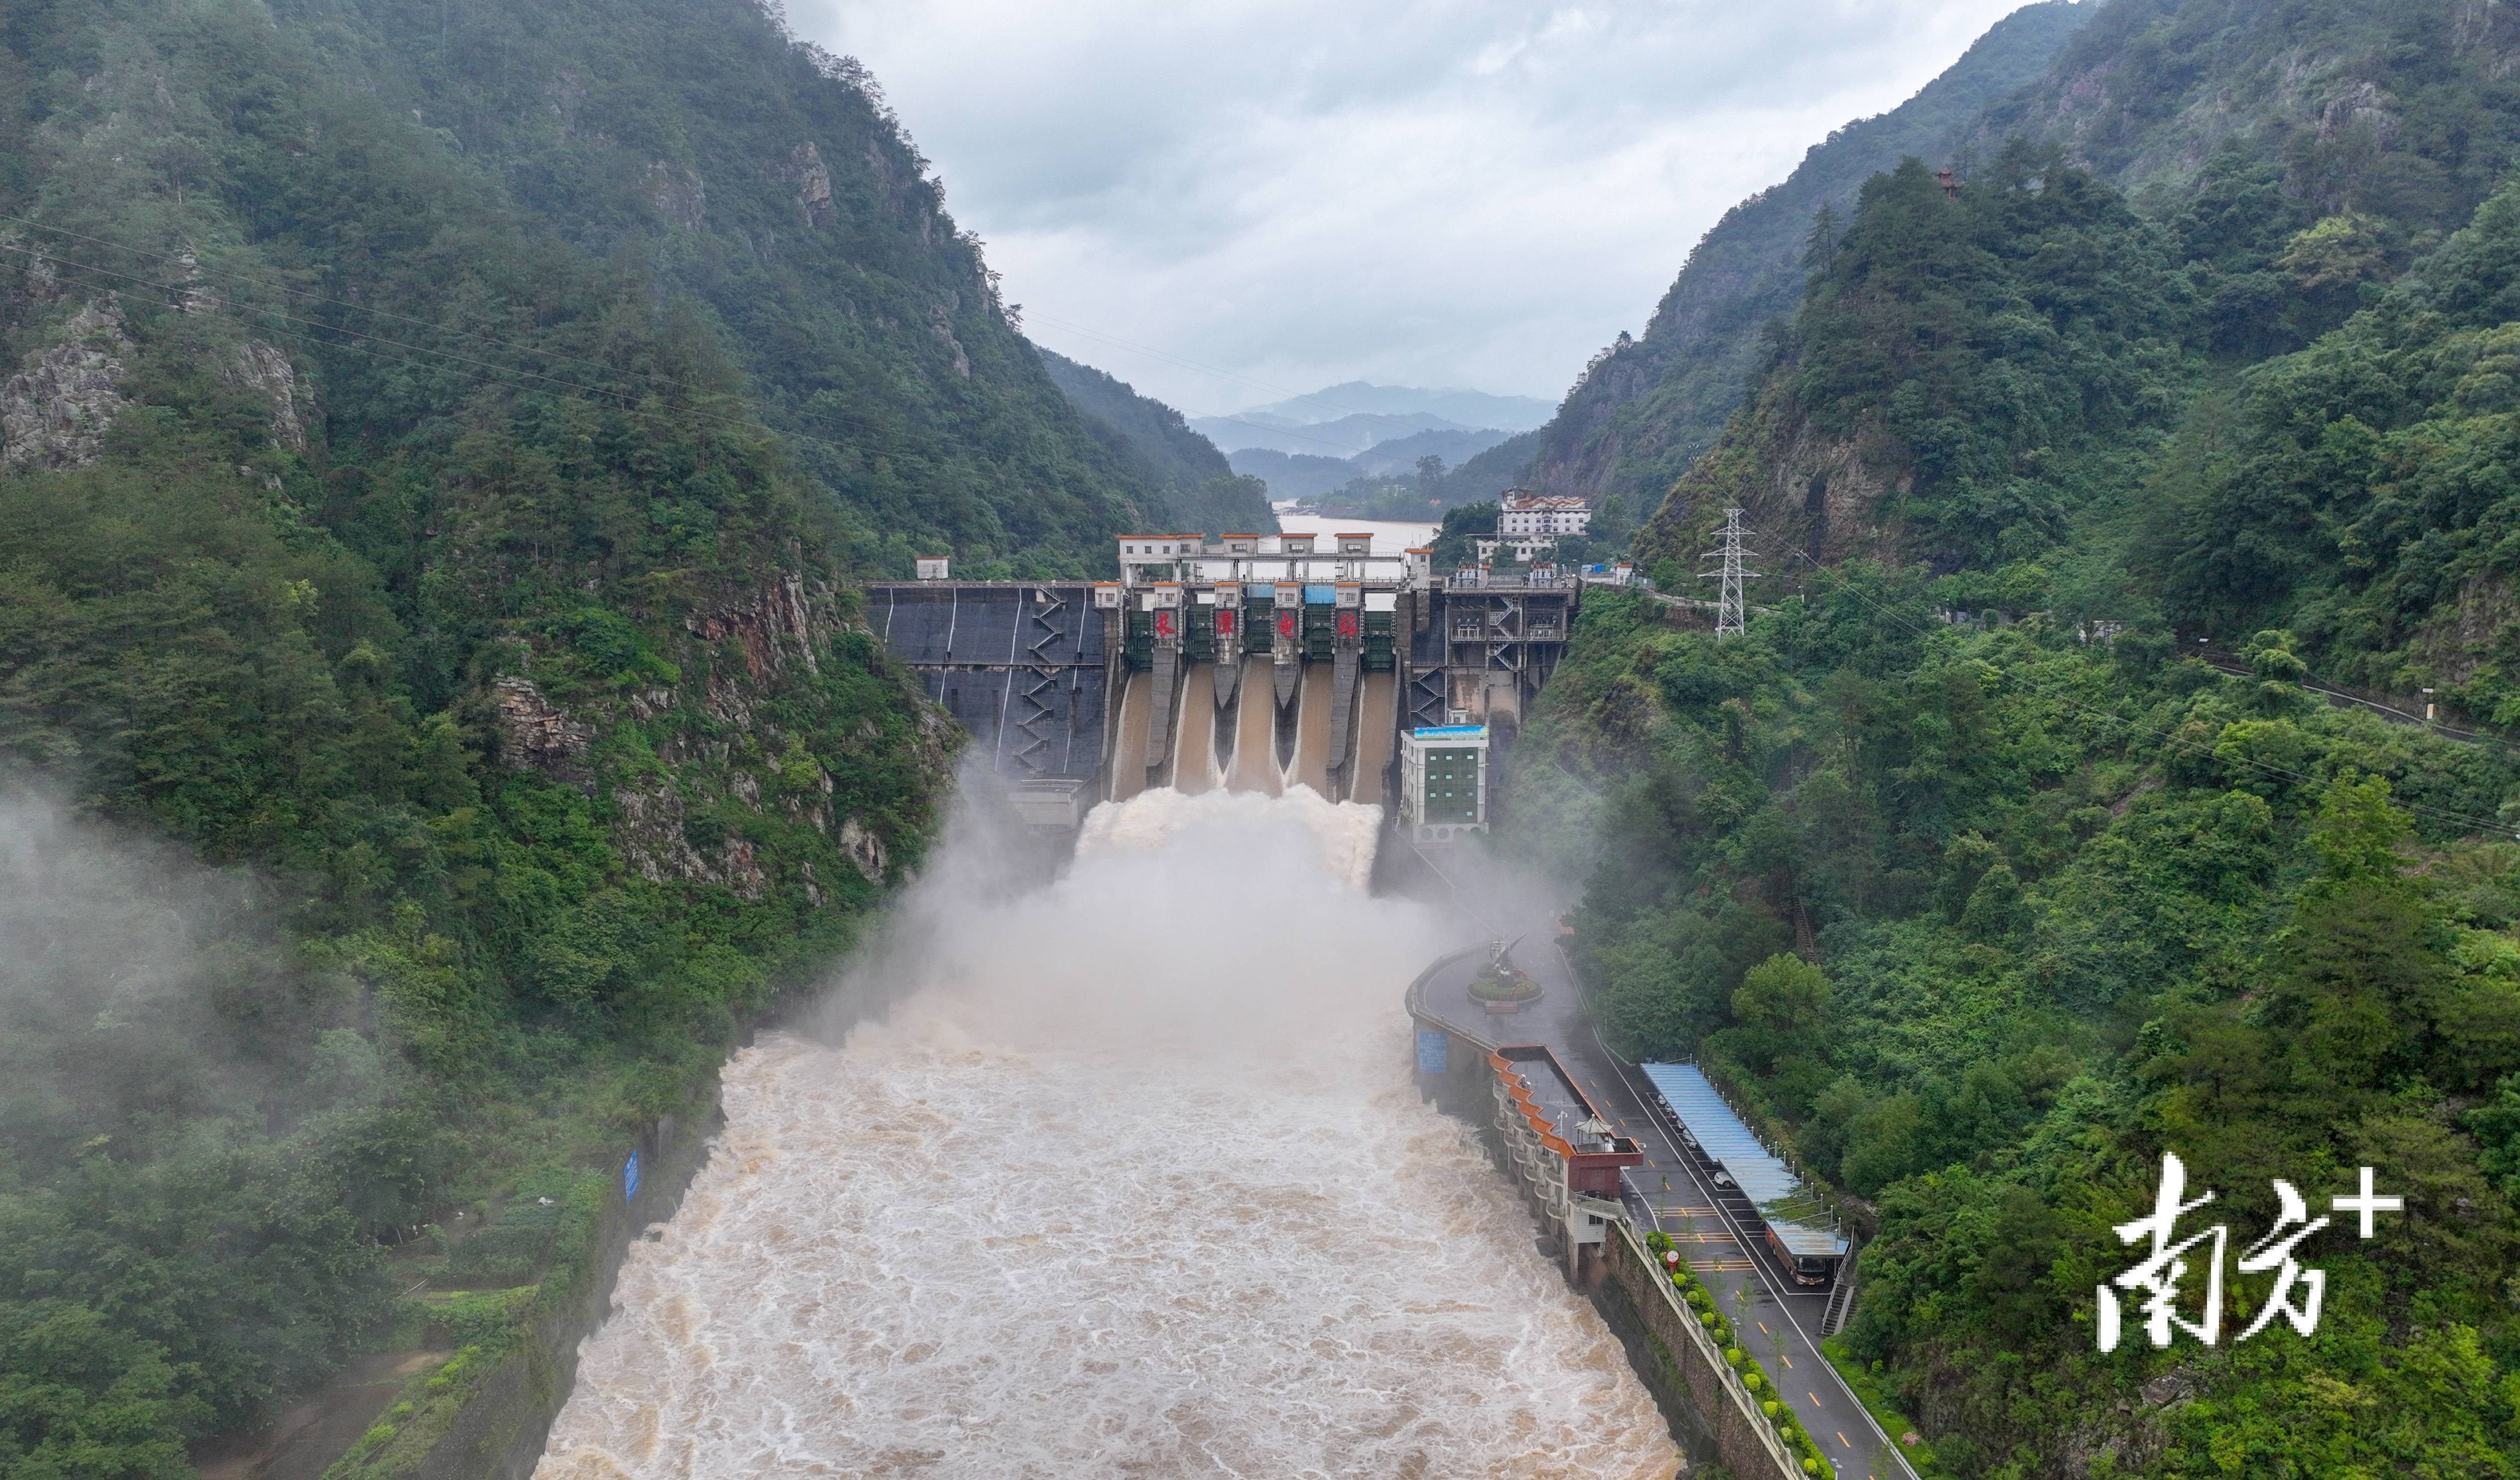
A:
[1982,891]
[2073,905]
[770,184]
[1648,405]
[1201,493]
[433,715]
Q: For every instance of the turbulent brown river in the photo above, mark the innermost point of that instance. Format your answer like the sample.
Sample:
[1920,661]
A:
[1129,1180]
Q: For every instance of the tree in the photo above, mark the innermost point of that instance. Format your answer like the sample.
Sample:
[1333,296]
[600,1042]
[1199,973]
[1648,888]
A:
[1782,1010]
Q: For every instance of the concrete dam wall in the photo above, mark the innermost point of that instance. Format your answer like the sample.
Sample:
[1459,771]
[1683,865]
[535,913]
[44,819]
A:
[1242,663]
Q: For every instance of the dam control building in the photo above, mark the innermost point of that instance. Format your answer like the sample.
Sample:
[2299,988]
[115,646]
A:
[1245,662]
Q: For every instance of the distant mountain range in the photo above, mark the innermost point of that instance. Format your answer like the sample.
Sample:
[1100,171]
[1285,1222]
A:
[1344,437]
[1462,408]
[1342,420]
[1304,474]
[1303,447]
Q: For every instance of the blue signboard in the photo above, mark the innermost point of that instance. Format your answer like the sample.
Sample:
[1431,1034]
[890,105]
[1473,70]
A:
[1433,1050]
[1434,732]
[1321,596]
[630,1178]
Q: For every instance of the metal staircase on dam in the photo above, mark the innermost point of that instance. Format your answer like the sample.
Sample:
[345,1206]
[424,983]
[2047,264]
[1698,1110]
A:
[1241,662]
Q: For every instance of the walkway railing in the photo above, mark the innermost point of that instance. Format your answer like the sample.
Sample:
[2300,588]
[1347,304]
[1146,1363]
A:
[1753,1418]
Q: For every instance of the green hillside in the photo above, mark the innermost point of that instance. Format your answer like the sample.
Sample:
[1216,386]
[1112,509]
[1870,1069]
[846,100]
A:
[1200,490]
[1647,405]
[769,184]
[1981,892]
[433,713]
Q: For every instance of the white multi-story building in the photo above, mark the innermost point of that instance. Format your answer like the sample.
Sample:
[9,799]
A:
[1526,513]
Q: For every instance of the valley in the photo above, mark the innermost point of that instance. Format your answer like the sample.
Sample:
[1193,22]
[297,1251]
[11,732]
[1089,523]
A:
[638,839]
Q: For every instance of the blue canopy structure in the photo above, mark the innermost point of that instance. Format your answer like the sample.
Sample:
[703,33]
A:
[1756,1188]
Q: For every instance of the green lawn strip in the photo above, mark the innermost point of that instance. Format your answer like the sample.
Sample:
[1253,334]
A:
[1771,1403]
[1865,1385]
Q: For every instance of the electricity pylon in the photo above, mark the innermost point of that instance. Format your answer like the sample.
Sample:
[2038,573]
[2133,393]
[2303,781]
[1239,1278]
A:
[1728,610]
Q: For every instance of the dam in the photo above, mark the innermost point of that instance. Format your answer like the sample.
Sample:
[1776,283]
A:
[1239,662]
[1054,1191]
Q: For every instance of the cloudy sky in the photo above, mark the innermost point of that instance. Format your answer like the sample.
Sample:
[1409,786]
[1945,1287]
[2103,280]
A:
[1224,202]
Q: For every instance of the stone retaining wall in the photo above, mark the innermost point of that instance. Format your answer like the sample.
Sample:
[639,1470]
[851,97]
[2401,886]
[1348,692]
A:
[1743,1439]
[498,1434]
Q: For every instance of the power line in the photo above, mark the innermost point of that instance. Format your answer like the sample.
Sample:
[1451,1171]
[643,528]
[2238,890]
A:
[1729,615]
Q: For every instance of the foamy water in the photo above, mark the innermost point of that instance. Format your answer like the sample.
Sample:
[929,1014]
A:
[1133,1183]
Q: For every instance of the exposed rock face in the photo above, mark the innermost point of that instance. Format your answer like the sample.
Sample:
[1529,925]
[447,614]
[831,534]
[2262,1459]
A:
[864,848]
[536,735]
[775,629]
[1821,493]
[53,413]
[813,183]
[681,197]
[267,372]
[654,841]
[726,752]
[943,326]
[2459,643]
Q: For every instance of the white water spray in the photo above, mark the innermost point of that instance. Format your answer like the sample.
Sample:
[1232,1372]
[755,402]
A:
[1131,1181]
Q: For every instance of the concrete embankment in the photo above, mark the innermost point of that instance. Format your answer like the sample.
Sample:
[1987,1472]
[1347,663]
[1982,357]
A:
[1712,1414]
[1678,1362]
[498,1432]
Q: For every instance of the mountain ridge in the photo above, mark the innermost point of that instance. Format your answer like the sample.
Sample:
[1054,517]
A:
[1462,408]
[1647,405]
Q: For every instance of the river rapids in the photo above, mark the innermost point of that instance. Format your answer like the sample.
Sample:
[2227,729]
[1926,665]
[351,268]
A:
[1126,1179]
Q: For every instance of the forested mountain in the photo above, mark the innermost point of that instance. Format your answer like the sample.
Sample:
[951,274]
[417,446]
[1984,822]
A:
[1201,492]
[1647,405]
[1981,891]
[770,185]
[2405,112]
[439,444]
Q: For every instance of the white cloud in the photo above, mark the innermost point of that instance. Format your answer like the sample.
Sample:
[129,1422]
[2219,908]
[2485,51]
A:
[1474,193]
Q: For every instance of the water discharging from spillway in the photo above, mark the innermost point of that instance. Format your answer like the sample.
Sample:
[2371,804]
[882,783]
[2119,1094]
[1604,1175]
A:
[1130,1179]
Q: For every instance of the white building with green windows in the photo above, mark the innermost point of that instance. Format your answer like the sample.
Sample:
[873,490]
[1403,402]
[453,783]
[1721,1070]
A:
[1444,782]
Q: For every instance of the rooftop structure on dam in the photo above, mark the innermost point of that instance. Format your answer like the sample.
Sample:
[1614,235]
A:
[1245,662]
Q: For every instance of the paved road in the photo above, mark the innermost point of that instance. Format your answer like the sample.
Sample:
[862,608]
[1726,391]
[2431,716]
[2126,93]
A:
[1783,1329]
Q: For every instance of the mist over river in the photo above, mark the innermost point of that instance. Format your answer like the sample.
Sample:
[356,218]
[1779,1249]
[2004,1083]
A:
[1130,1179]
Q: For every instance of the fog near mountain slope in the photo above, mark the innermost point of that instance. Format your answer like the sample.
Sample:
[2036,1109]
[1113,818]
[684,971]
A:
[1343,437]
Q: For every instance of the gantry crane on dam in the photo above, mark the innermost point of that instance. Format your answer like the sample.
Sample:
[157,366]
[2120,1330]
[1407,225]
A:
[1244,661]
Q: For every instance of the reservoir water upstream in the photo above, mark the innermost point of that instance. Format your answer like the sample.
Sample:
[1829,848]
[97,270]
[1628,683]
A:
[1129,1180]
